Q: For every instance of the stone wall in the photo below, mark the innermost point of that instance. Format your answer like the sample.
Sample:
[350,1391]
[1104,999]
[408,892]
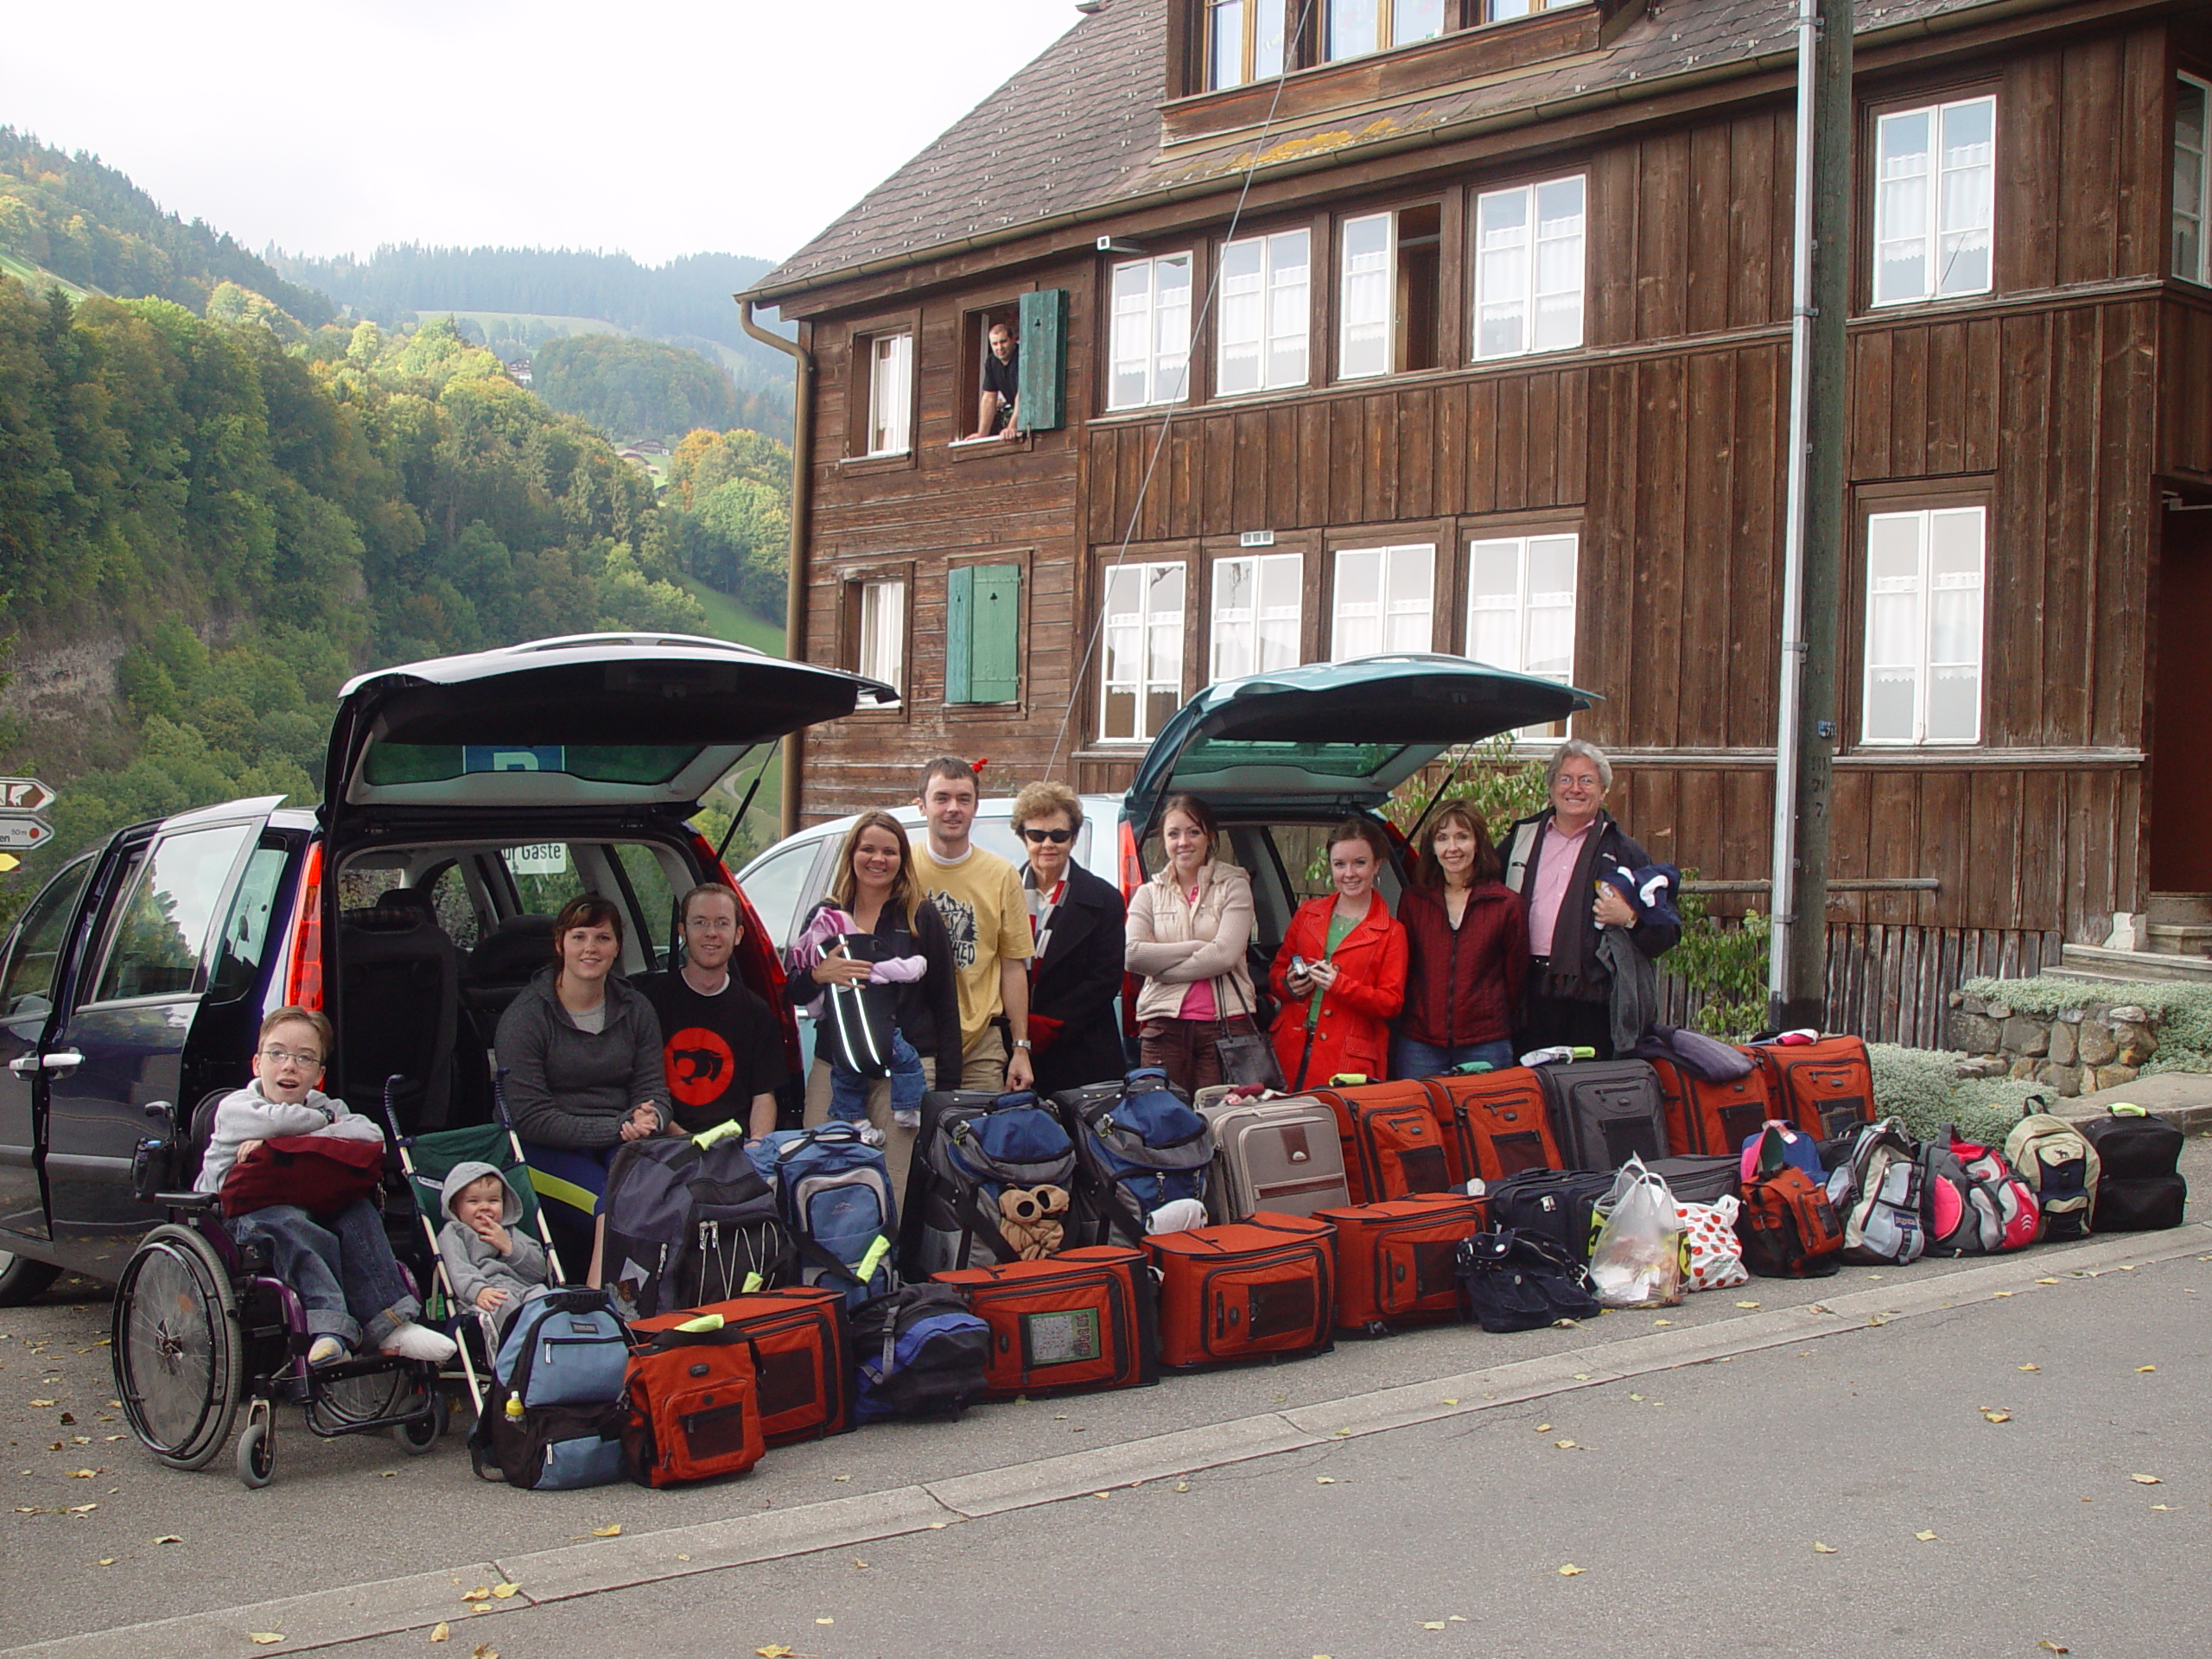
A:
[2075,1052]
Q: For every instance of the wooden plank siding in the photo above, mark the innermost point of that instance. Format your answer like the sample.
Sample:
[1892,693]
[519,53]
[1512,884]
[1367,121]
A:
[2064,401]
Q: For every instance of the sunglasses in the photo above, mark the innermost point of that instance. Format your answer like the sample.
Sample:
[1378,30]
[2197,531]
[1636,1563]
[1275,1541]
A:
[1057,837]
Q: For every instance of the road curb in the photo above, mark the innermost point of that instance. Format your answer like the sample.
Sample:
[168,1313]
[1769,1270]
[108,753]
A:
[417,1602]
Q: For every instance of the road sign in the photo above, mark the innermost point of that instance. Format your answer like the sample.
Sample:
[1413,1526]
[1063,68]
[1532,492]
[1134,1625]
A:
[9,862]
[21,830]
[24,795]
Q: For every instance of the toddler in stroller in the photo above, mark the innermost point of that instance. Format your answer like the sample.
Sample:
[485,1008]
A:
[491,1264]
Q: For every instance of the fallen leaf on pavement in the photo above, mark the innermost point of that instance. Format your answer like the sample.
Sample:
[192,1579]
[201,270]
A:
[109,1561]
[1432,1623]
[1820,1548]
[2046,1281]
[482,1593]
[1660,1322]
[263,1638]
[1182,1485]
[1582,1376]
[169,1538]
[1747,1304]
[2140,1369]
[939,1526]
[1325,1480]
[2146,1480]
[1570,1570]
[614,1530]
[484,1650]
[443,1632]
[83,1474]
[2053,1647]
[1458,1618]
[1342,1433]
[2167,1506]
[44,1403]
[1999,1416]
[1564,1446]
[825,1621]
[841,1477]
[82,1509]
[2000,1292]
[504,1591]
[1450,1401]
[1925,1537]
[774,1650]
[1543,1428]
[2031,1367]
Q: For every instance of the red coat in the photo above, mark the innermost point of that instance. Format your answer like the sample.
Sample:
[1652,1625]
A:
[1353,1034]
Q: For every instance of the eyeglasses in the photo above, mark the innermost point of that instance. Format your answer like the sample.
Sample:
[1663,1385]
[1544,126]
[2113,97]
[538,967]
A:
[286,1056]
[1057,837]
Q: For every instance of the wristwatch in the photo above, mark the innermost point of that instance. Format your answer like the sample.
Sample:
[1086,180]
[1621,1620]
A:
[1022,1042]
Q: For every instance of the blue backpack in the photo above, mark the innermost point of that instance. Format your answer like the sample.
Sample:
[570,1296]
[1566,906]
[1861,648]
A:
[917,1353]
[973,1146]
[833,1189]
[553,1415]
[1141,1145]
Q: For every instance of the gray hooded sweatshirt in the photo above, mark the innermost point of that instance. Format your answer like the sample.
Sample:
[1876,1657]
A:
[248,1115]
[471,1262]
[569,1087]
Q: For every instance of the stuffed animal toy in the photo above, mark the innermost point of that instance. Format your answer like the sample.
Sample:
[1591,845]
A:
[1029,1218]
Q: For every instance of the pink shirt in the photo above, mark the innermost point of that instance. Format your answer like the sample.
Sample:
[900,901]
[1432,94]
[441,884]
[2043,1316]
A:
[1197,1002]
[1554,869]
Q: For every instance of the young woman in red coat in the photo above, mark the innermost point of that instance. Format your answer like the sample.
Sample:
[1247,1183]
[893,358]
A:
[1467,945]
[1341,973]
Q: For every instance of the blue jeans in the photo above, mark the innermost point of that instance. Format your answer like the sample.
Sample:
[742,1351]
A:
[341,1269]
[848,1088]
[1409,1059]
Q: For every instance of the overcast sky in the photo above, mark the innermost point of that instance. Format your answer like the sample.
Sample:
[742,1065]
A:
[331,126]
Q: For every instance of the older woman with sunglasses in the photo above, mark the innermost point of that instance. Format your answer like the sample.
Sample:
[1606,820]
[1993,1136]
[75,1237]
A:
[1080,925]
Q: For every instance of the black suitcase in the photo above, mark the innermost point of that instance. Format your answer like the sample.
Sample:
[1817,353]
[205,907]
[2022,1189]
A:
[1701,1180]
[2140,1189]
[1604,1112]
[1559,1203]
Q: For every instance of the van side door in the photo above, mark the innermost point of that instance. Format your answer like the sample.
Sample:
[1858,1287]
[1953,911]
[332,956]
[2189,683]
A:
[119,1042]
[33,968]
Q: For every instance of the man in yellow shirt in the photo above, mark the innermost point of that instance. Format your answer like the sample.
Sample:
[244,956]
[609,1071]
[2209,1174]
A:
[979,896]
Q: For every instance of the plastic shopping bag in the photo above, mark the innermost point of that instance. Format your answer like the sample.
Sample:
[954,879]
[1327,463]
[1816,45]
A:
[1638,1260]
[1716,1254]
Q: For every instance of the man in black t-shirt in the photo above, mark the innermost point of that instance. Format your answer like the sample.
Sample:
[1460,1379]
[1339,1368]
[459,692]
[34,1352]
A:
[723,1050]
[998,414]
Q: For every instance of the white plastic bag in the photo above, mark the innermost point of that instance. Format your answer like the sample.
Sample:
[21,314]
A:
[1638,1260]
[1716,1254]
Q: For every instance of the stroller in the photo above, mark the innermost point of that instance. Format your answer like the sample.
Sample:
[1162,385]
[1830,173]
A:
[426,1160]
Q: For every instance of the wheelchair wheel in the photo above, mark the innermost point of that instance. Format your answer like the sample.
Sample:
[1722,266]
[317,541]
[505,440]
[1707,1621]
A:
[175,1345]
[418,1434]
[257,1454]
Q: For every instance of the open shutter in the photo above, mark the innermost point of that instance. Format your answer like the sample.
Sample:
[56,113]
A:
[959,621]
[1044,359]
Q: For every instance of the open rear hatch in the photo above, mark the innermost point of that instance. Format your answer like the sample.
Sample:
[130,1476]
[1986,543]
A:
[1333,736]
[605,720]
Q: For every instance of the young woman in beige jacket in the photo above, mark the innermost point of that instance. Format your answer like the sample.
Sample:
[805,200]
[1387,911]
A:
[1188,929]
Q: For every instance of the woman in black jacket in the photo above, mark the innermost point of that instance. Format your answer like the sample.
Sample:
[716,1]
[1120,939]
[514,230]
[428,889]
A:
[1080,923]
[873,883]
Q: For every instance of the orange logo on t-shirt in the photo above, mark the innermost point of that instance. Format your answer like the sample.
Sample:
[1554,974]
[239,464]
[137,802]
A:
[699,1065]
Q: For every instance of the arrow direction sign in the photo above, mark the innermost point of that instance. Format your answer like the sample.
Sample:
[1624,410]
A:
[24,795]
[20,831]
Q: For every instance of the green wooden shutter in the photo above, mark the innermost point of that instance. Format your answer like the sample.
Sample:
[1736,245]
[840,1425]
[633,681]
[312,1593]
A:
[959,621]
[1044,359]
[983,634]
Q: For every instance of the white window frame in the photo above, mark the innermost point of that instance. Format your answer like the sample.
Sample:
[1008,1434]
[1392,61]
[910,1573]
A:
[1237,635]
[1532,275]
[2192,194]
[891,393]
[1905,626]
[1957,206]
[1149,331]
[1388,25]
[1387,615]
[1261,50]
[1505,628]
[1356,329]
[882,631]
[1142,670]
[1257,308]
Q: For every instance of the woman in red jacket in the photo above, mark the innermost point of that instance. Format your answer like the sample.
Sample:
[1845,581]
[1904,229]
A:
[1467,948]
[1341,973]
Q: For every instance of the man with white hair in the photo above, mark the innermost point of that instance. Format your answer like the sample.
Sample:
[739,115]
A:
[1561,861]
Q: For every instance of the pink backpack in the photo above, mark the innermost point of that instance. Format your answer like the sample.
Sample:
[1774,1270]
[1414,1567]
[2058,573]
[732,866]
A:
[2019,1216]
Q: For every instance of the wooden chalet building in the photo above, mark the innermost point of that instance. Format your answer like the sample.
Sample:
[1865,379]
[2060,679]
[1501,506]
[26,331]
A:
[1488,353]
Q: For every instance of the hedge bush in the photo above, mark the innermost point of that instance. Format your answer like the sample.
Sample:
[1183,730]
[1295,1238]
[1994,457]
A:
[1922,1087]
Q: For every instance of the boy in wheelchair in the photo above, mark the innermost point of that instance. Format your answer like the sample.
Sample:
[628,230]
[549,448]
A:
[341,1267]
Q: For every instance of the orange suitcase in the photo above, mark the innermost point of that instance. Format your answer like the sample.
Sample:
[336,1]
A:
[1496,1120]
[1068,1324]
[1395,1261]
[1257,1289]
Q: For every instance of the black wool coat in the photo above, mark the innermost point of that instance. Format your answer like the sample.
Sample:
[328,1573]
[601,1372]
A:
[1076,982]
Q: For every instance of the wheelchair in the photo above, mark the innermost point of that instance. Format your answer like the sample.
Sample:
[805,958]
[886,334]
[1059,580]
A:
[201,1328]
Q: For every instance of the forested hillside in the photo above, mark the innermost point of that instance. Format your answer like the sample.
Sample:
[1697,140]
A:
[631,388]
[89,225]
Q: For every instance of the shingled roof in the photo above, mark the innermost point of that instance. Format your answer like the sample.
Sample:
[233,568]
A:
[1078,132]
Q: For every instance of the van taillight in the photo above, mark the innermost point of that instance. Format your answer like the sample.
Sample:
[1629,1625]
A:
[1132,865]
[303,982]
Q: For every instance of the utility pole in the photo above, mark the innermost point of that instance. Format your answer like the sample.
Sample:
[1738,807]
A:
[1812,558]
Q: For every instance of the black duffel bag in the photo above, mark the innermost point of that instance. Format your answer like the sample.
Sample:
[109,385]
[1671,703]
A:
[1559,1203]
[1512,1280]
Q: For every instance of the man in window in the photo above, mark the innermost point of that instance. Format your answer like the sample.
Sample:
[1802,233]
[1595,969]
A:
[998,412]
[723,1050]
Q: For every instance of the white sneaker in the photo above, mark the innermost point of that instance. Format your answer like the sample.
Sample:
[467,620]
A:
[907,1120]
[412,1341]
[325,1350]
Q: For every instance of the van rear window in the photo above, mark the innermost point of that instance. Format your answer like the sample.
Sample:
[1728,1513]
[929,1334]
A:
[432,763]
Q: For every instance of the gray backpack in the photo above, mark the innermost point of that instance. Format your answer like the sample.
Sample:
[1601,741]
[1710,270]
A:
[1877,1191]
[2061,1168]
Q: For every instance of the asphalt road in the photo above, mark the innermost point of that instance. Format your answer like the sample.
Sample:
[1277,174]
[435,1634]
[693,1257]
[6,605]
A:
[1705,1496]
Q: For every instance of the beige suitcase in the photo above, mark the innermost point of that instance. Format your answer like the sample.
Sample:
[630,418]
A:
[1281,1155]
